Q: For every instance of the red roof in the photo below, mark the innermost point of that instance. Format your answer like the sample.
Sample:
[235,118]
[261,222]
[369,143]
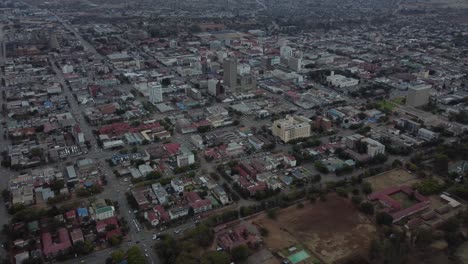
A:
[113,232]
[118,129]
[159,210]
[101,225]
[76,235]
[172,148]
[108,109]
[70,214]
[195,201]
[53,247]
[259,186]
[237,236]
[394,207]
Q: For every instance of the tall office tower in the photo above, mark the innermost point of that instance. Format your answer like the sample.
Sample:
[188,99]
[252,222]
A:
[418,95]
[53,42]
[230,72]
[155,92]
[212,84]
[2,47]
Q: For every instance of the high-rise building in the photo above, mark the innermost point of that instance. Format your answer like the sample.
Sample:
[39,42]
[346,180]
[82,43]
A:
[418,95]
[286,52]
[292,127]
[155,92]
[212,83]
[53,42]
[2,47]
[230,72]
[238,77]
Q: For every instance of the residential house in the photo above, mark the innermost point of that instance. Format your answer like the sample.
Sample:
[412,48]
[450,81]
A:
[160,193]
[198,205]
[76,235]
[178,211]
[52,245]
[220,194]
[178,185]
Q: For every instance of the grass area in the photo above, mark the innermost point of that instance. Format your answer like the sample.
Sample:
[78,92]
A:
[390,105]
[403,199]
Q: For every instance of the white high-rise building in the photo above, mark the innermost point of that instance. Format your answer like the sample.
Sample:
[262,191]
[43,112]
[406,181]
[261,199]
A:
[155,92]
[286,52]
[212,83]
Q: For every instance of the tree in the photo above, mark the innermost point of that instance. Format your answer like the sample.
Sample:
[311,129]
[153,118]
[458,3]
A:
[397,163]
[240,253]
[166,82]
[195,29]
[57,185]
[264,232]
[153,175]
[356,199]
[341,192]
[367,208]
[115,240]
[135,256]
[383,218]
[423,238]
[271,213]
[451,225]
[320,167]
[366,187]
[215,257]
[202,235]
[118,256]
[110,227]
[441,164]
[83,248]
[375,250]
[36,152]
[428,186]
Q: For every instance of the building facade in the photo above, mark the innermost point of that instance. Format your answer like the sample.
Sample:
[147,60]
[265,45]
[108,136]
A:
[418,95]
[292,127]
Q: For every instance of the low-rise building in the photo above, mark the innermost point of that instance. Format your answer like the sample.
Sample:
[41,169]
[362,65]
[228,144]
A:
[178,211]
[160,192]
[198,204]
[427,134]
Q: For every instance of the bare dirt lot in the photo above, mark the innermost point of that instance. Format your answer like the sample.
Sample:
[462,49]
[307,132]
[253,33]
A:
[331,230]
[392,178]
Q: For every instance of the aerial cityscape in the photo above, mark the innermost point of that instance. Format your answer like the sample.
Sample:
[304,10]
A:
[234,131]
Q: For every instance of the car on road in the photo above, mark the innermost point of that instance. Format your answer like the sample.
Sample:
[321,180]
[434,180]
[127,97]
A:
[177,231]
[129,211]
[146,255]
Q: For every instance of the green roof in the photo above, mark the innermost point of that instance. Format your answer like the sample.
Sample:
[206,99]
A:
[104,209]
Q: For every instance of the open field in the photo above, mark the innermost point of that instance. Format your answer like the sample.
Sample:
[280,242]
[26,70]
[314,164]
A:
[331,230]
[403,199]
[390,105]
[392,178]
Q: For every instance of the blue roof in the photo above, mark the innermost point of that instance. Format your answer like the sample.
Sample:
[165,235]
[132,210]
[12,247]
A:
[181,106]
[82,212]
[48,104]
